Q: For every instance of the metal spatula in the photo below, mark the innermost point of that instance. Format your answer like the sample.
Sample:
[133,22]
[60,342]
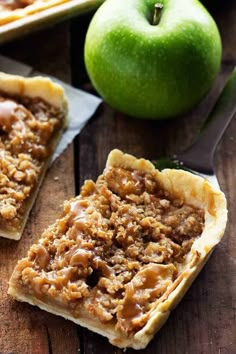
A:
[198,158]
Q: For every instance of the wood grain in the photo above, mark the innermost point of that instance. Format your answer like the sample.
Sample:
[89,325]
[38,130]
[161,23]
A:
[205,321]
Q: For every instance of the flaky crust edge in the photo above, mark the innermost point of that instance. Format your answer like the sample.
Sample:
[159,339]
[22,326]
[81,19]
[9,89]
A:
[198,192]
[50,92]
[38,86]
[194,190]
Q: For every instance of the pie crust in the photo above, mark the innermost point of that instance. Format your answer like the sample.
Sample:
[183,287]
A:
[128,326]
[17,9]
[33,115]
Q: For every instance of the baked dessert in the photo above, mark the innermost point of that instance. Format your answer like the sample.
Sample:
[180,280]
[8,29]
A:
[124,251]
[33,114]
[11,10]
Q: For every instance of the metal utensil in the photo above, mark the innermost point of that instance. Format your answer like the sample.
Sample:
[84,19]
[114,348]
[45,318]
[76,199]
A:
[198,158]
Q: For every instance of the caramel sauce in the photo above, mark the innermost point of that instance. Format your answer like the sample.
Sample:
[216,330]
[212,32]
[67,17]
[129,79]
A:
[81,257]
[77,207]
[7,108]
[147,285]
[56,280]
[124,182]
[117,251]
[101,265]
[78,213]
[42,256]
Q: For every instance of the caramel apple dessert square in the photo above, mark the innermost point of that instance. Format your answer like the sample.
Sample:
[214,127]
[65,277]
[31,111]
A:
[12,10]
[124,251]
[33,114]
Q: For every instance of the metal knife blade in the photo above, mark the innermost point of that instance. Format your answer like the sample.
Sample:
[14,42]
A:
[198,158]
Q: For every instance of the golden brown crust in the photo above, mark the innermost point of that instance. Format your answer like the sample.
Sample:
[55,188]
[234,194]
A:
[37,86]
[193,190]
[9,15]
[34,88]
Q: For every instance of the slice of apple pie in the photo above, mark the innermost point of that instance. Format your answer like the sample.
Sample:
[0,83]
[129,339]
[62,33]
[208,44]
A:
[33,114]
[124,251]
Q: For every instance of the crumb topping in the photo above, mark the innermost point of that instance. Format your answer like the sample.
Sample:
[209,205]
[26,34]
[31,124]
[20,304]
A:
[115,252]
[27,127]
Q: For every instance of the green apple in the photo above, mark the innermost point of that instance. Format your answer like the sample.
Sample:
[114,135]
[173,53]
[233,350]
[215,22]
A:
[152,60]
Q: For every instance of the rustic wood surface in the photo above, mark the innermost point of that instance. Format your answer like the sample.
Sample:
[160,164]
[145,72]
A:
[205,320]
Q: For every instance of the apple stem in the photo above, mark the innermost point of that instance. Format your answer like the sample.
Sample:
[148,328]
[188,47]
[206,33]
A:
[157,13]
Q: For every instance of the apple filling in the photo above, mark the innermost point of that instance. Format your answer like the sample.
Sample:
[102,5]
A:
[27,127]
[116,251]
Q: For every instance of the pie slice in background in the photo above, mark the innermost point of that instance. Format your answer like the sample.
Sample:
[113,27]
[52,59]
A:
[11,10]
[124,251]
[33,115]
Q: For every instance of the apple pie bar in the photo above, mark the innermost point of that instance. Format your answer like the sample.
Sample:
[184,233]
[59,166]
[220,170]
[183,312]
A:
[33,113]
[124,251]
[11,10]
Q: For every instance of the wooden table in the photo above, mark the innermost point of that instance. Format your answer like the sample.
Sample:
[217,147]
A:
[205,321]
